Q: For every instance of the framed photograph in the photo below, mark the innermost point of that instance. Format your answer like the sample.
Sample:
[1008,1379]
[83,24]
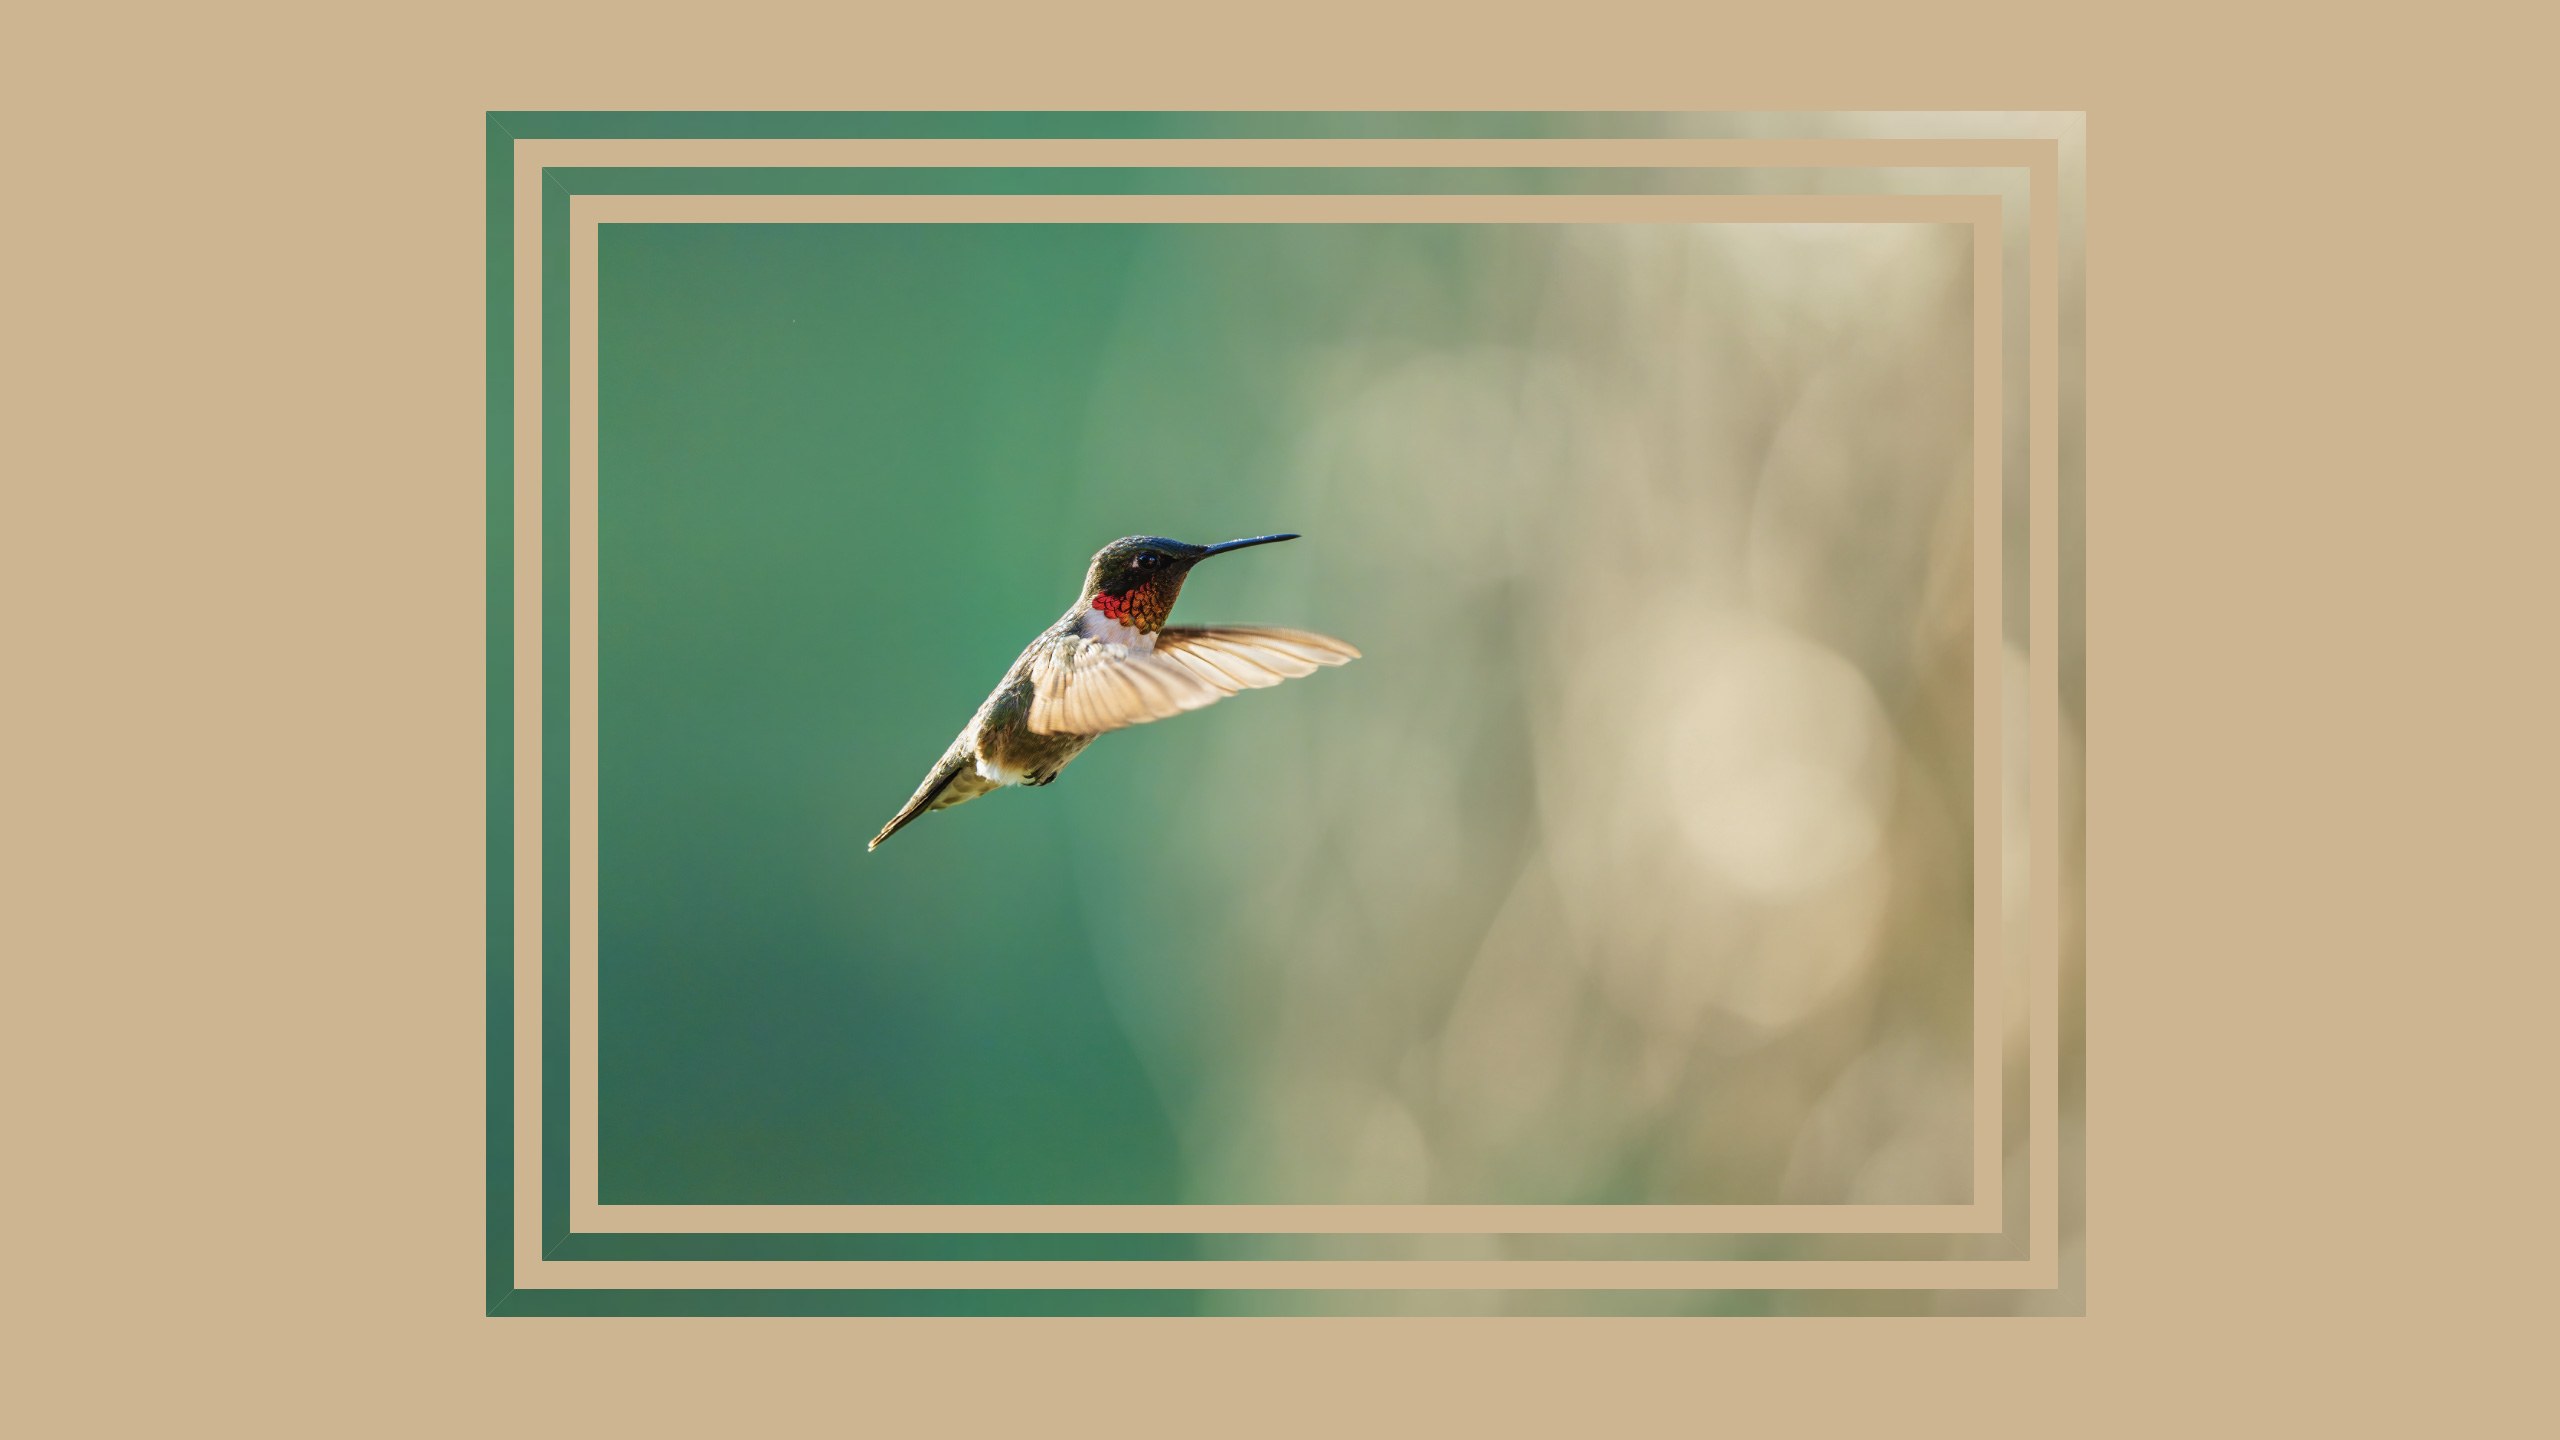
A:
[1615,857]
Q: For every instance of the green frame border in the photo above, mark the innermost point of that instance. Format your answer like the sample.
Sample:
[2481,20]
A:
[561,184]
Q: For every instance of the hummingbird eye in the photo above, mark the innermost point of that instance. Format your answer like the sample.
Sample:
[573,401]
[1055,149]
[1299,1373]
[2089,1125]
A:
[1145,561]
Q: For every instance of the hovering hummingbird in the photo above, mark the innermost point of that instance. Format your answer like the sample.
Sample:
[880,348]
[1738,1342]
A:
[1109,662]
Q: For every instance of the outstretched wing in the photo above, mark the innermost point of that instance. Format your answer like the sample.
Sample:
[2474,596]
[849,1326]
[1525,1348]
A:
[1249,657]
[1084,688]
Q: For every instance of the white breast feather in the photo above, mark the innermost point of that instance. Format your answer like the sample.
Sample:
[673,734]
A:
[1100,629]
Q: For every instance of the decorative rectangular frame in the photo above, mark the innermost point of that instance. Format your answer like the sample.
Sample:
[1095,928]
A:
[554,178]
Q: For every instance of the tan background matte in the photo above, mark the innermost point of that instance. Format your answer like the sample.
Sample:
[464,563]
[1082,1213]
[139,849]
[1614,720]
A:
[244,714]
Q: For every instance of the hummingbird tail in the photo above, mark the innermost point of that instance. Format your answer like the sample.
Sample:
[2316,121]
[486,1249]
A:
[935,793]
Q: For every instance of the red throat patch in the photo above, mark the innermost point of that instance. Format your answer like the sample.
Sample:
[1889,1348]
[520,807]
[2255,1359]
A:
[1143,608]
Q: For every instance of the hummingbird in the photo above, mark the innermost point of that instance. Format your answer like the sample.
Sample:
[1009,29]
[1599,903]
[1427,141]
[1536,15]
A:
[1111,662]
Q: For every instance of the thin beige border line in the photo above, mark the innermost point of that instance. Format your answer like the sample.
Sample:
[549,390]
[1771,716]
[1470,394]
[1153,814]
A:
[528,722]
[1891,155]
[587,549]
[1672,153]
[1272,209]
[2044,690]
[1981,1215]
[1404,1277]
[1291,1275]
[1990,776]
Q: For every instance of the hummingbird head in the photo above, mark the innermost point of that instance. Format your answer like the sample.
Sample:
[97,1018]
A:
[1134,580]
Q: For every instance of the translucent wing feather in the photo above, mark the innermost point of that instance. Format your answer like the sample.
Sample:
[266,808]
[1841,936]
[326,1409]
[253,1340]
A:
[1252,656]
[1081,687]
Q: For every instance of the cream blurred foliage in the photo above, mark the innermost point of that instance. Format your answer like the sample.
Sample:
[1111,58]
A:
[1639,868]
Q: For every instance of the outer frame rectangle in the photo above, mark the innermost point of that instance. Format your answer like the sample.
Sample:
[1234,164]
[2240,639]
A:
[1418,1275]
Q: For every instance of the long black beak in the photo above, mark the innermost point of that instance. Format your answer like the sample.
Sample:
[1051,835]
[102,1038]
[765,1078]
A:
[1240,544]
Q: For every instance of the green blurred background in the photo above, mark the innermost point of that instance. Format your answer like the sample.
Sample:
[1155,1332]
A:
[1632,863]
